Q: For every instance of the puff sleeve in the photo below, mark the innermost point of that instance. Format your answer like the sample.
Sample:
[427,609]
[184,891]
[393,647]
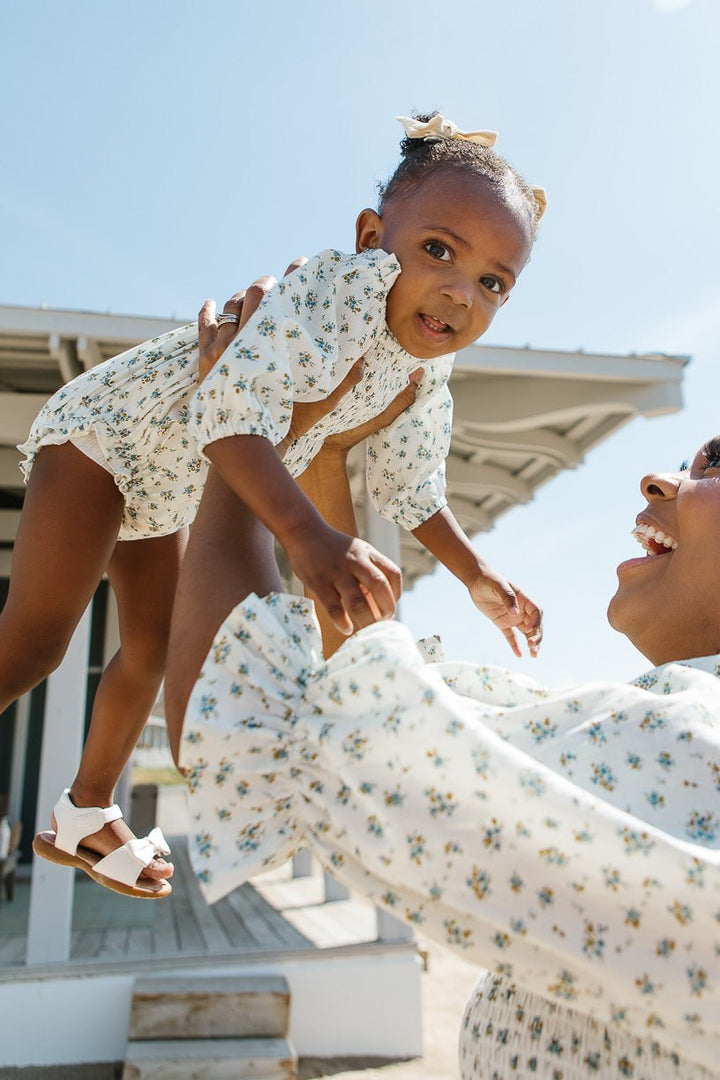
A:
[405,468]
[300,343]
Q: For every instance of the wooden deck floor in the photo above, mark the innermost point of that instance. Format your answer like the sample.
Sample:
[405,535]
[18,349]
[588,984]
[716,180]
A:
[274,914]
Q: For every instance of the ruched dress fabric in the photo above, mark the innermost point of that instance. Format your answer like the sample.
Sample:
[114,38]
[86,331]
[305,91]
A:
[565,840]
[152,421]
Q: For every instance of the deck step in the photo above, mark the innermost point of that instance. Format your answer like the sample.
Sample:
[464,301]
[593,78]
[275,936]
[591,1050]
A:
[210,1008]
[211,1059]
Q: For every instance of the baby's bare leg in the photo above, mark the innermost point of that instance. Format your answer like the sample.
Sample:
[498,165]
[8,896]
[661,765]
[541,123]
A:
[67,534]
[143,575]
[230,554]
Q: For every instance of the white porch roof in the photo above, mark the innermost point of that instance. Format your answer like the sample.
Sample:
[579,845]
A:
[522,415]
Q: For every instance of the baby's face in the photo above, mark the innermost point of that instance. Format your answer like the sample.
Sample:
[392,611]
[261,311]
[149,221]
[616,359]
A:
[461,250]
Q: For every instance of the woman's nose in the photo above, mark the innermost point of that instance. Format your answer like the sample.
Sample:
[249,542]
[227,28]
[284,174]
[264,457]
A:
[657,486]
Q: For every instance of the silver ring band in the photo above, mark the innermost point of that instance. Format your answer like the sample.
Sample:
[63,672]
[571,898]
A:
[227,317]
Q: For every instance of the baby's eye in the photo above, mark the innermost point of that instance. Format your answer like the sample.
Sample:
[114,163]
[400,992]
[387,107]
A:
[493,284]
[437,250]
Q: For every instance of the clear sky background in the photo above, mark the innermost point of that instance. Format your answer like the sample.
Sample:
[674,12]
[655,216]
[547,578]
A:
[156,152]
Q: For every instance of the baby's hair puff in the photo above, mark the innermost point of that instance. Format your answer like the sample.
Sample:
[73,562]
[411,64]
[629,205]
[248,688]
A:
[443,148]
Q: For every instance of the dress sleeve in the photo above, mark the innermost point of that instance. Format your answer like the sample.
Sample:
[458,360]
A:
[307,332]
[406,461]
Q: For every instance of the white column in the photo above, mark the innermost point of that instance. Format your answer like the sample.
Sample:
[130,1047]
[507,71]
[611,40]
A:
[19,756]
[302,863]
[111,644]
[391,929]
[52,886]
[382,534]
[334,889]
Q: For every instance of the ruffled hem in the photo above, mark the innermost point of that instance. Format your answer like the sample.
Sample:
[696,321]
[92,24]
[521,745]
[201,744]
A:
[507,1032]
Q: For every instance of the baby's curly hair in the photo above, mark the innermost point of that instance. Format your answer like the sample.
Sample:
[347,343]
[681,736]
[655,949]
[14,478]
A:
[422,158]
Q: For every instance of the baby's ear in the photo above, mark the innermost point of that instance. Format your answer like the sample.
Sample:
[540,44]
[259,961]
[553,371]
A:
[368,230]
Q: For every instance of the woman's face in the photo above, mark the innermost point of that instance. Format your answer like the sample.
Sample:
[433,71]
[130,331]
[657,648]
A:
[668,601]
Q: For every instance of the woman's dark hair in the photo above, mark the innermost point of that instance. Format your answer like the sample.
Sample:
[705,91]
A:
[422,158]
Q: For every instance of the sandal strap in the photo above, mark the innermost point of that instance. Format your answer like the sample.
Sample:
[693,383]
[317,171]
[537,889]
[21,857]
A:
[74,823]
[127,863]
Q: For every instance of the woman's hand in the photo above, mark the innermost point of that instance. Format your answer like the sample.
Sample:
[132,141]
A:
[213,340]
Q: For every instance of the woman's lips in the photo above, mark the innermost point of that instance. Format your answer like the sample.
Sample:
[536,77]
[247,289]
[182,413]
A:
[643,560]
[657,544]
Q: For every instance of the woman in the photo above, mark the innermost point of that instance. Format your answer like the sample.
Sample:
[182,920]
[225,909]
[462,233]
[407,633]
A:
[566,840]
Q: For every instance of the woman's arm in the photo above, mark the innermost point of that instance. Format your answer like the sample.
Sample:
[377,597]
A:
[325,482]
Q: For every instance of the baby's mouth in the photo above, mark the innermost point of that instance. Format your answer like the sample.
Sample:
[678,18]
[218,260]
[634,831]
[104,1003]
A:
[434,325]
[654,540]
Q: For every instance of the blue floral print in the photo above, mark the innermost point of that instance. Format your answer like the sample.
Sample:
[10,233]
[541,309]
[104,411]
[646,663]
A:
[151,420]
[542,861]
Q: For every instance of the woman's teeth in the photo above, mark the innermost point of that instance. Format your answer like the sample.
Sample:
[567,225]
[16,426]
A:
[653,540]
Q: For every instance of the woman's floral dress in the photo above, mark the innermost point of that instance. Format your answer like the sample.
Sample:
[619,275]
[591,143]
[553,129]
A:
[152,421]
[566,840]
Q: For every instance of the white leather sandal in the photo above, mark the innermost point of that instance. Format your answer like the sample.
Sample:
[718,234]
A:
[121,869]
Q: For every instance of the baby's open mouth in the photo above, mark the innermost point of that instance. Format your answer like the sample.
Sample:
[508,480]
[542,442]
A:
[654,540]
[436,325]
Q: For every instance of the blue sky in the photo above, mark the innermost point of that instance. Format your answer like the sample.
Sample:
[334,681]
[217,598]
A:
[159,152]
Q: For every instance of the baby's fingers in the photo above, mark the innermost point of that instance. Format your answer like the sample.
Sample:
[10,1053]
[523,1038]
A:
[367,596]
[511,638]
[530,624]
[392,574]
[505,593]
[367,592]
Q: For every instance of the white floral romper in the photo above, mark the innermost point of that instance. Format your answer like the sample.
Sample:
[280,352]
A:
[567,840]
[151,421]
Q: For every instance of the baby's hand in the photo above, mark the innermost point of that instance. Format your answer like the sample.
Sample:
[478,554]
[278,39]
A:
[355,583]
[509,609]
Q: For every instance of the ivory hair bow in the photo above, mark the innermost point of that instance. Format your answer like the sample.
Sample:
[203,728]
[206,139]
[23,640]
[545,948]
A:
[439,127]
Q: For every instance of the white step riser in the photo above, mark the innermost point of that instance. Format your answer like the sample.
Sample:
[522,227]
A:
[210,1009]
[220,1059]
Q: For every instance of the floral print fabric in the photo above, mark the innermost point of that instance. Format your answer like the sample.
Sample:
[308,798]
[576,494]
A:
[510,1034]
[143,409]
[136,406]
[567,839]
[305,336]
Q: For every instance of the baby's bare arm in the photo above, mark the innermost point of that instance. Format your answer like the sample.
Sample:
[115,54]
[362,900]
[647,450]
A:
[493,594]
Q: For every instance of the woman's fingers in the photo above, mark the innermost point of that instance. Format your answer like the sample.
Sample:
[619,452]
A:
[345,440]
[254,296]
[214,338]
[207,324]
[228,330]
[307,413]
[295,265]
